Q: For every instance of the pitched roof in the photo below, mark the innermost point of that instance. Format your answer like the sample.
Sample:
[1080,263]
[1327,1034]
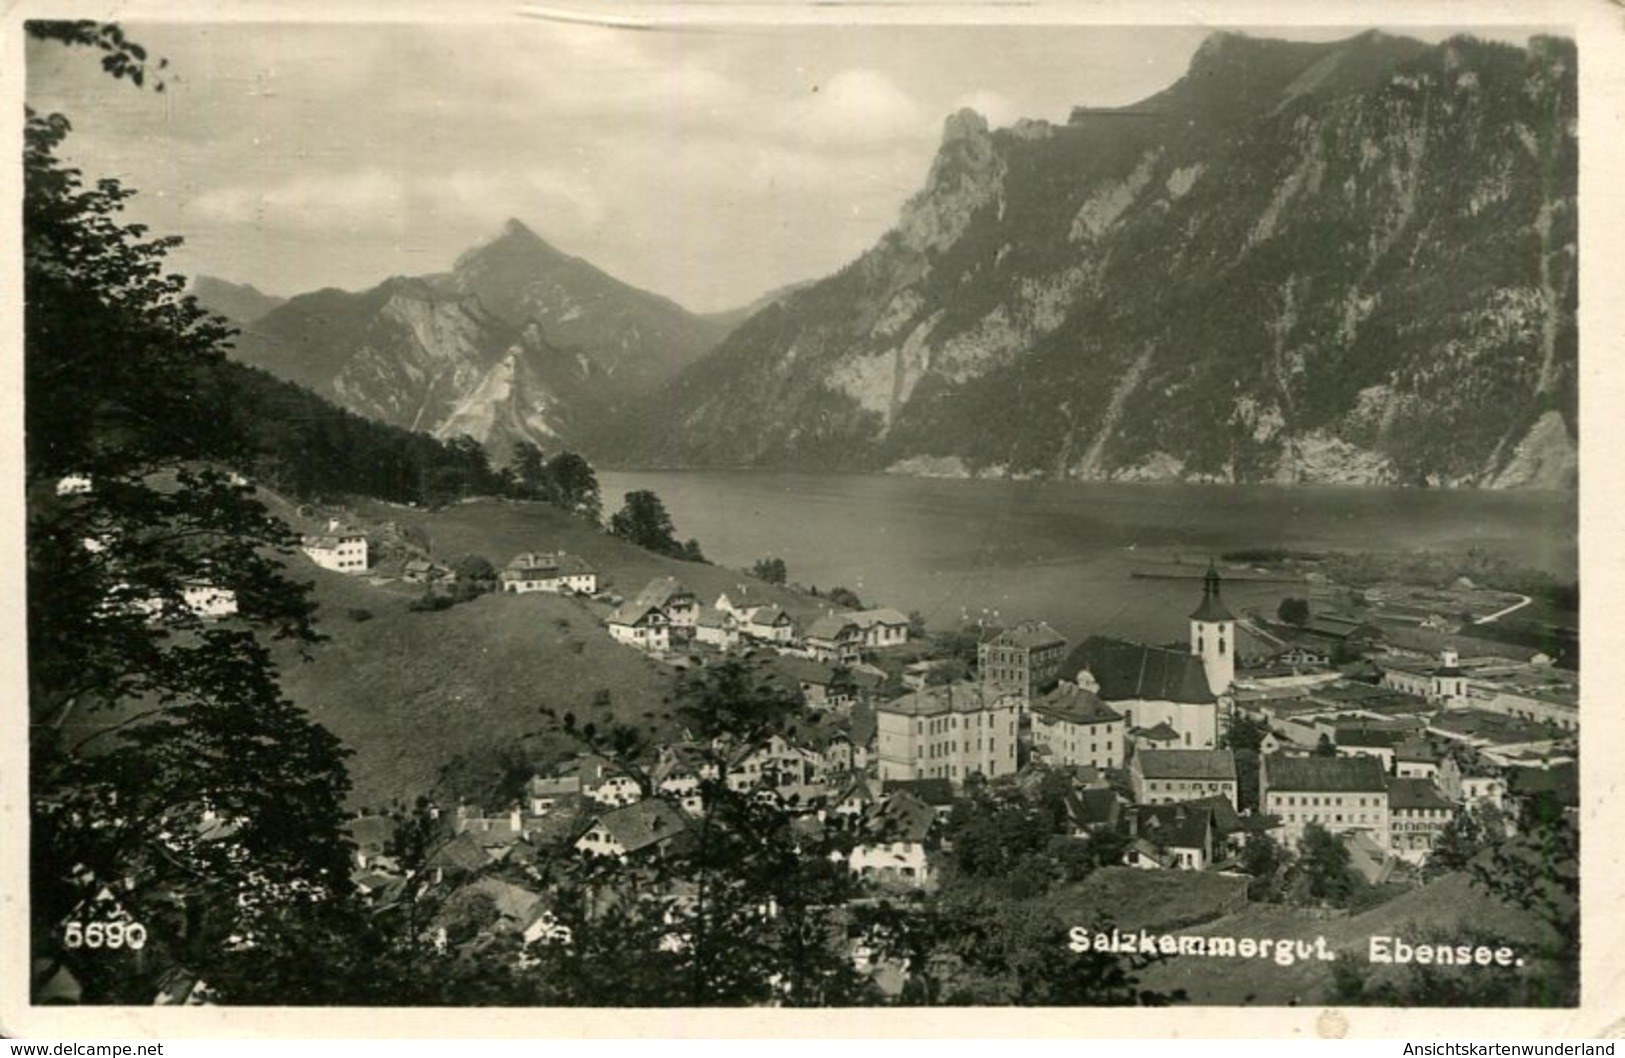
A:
[460,853]
[1163,732]
[371,831]
[1212,607]
[1217,765]
[1135,672]
[934,792]
[885,615]
[1368,737]
[1225,817]
[1415,794]
[573,564]
[768,615]
[830,626]
[711,617]
[1029,635]
[1324,774]
[1414,749]
[904,817]
[532,560]
[512,902]
[1181,825]
[1075,705]
[949,697]
[634,610]
[1093,807]
[645,823]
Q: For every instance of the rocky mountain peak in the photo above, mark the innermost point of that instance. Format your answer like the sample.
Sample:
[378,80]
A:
[964,124]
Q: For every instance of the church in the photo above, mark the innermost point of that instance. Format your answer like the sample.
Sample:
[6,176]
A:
[1168,694]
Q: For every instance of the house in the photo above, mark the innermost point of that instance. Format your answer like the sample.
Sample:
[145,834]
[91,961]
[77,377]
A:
[515,906]
[936,793]
[835,638]
[456,857]
[716,628]
[340,548]
[530,572]
[1093,811]
[779,765]
[893,849]
[1365,741]
[1025,658]
[679,605]
[1415,759]
[424,571]
[1442,682]
[604,781]
[372,836]
[1230,828]
[855,802]
[825,686]
[949,732]
[769,624]
[1471,783]
[880,628]
[1149,686]
[575,574]
[643,828]
[1338,793]
[1162,736]
[1417,815]
[1173,836]
[917,675]
[641,625]
[1078,728]
[741,600]
[1165,776]
[545,795]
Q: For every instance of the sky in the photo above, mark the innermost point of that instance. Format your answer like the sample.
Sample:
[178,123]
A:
[706,163]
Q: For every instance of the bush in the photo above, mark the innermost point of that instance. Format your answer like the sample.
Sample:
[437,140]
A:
[431,602]
[358,614]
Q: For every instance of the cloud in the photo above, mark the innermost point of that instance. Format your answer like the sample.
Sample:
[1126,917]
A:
[347,201]
[854,107]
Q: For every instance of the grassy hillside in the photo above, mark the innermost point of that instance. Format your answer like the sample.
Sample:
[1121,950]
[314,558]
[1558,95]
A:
[411,692]
[1449,907]
[501,529]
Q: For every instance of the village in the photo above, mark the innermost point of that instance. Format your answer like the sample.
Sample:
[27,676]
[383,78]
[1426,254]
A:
[1391,742]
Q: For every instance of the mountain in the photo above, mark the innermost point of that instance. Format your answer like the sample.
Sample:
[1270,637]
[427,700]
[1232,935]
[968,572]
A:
[728,319]
[238,302]
[1302,262]
[517,342]
[635,339]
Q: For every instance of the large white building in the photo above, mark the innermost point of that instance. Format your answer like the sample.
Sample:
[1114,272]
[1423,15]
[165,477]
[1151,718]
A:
[341,549]
[950,732]
[1075,727]
[1341,794]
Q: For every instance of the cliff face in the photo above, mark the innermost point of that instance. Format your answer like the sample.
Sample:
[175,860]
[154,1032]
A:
[1349,262]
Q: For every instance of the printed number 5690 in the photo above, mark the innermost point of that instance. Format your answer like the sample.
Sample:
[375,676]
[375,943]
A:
[131,935]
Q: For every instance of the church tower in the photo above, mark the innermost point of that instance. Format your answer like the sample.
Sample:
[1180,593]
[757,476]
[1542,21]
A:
[1213,635]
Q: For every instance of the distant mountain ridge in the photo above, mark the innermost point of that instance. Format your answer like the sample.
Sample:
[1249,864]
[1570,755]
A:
[238,302]
[517,342]
[1348,262]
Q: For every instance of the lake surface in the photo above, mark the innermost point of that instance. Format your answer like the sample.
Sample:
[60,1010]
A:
[1063,551]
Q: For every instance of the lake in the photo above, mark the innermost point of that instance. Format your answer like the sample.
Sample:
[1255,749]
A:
[1062,551]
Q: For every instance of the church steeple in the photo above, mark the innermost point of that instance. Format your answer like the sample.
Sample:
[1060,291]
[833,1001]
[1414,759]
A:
[1212,608]
[1213,635]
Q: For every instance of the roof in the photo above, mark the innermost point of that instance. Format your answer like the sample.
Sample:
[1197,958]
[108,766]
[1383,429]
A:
[511,901]
[1093,807]
[934,792]
[884,616]
[1324,774]
[1127,671]
[711,617]
[1212,607]
[532,560]
[371,831]
[1029,635]
[830,626]
[573,564]
[767,615]
[1225,817]
[904,817]
[637,826]
[656,595]
[634,610]
[1217,765]
[1412,794]
[460,853]
[1368,737]
[1163,732]
[1414,749]
[553,786]
[1180,825]
[1075,705]
[947,698]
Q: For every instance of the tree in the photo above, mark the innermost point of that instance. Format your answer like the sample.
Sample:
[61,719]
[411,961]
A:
[644,521]
[574,486]
[1293,611]
[1325,747]
[1266,860]
[916,625]
[845,598]
[771,570]
[1323,866]
[530,470]
[476,569]
[205,803]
